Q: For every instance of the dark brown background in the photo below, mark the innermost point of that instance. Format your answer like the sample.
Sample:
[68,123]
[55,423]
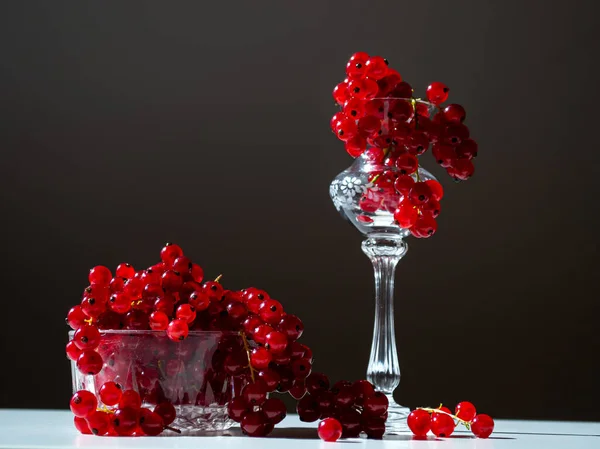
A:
[127,124]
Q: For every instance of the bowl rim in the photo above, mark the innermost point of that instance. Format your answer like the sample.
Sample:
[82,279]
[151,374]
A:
[159,333]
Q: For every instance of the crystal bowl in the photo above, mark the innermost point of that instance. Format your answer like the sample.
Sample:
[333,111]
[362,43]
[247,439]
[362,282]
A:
[187,373]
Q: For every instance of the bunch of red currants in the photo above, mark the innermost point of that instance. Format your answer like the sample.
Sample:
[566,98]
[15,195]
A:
[171,297]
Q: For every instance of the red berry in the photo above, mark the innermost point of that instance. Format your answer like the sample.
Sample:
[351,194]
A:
[454,134]
[402,90]
[467,149]
[461,169]
[171,281]
[130,399]
[260,358]
[418,143]
[406,215]
[93,307]
[335,119]
[437,191]
[199,300]
[72,350]
[388,82]
[125,270]
[276,342]
[214,290]
[120,302]
[375,405]
[182,265]
[110,393]
[445,155]
[330,429]
[316,383]
[363,89]
[255,393]
[76,318]
[151,423]
[291,326]
[369,124]
[81,425]
[298,389]
[431,208]
[237,408]
[274,409]
[403,184]
[270,311]
[186,312]
[454,113]
[89,362]
[169,253]
[125,421]
[197,273]
[117,284]
[356,146]
[100,275]
[374,428]
[136,320]
[355,68]
[482,426]
[351,422]
[166,411]
[465,411]
[437,93]
[407,164]
[99,422]
[158,321]
[340,93]
[376,67]
[424,227]
[344,397]
[346,129]
[177,330]
[260,333]
[83,403]
[419,422]
[442,425]
[308,409]
[362,389]
[256,424]
[301,368]
[354,108]
[420,193]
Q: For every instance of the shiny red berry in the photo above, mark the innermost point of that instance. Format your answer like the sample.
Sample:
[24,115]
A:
[437,93]
[89,362]
[120,302]
[445,155]
[87,337]
[308,409]
[424,227]
[335,119]
[406,214]
[419,422]
[81,425]
[169,253]
[437,191]
[177,330]
[376,404]
[340,93]
[186,312]
[454,113]
[291,326]
[467,149]
[465,411]
[256,424]
[167,412]
[130,399]
[363,89]
[100,275]
[99,422]
[171,281]
[276,342]
[355,68]
[301,368]
[125,270]
[75,317]
[376,67]
[362,389]
[83,403]
[72,350]
[407,164]
[158,321]
[346,129]
[403,184]
[125,421]
[356,146]
[330,429]
[270,311]
[150,423]
[260,358]
[199,300]
[110,393]
[482,426]
[238,408]
[420,193]
[461,169]
[213,289]
[442,425]
[274,409]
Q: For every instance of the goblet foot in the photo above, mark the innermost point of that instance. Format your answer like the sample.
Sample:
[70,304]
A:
[396,421]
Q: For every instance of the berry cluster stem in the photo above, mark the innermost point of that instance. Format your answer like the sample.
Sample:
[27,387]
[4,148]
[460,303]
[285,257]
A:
[456,418]
[247,348]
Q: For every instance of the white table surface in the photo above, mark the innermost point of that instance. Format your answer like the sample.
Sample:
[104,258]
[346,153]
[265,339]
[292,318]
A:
[49,429]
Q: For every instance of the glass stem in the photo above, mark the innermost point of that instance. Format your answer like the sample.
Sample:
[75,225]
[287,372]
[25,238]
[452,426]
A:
[384,370]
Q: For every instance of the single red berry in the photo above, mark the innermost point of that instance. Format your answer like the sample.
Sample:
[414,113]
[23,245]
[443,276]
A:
[83,403]
[171,281]
[120,302]
[363,89]
[362,389]
[255,393]
[482,426]
[376,404]
[186,312]
[125,421]
[402,90]
[182,265]
[369,124]
[455,134]
[388,82]
[81,425]
[260,333]
[344,396]
[454,113]
[134,287]
[346,129]
[214,290]
[89,362]
[403,184]
[177,330]
[308,409]
[400,110]
[419,422]
[376,67]
[418,142]
[199,300]
[274,409]
[256,424]
[431,208]
[291,326]
[276,342]
[461,169]
[117,284]
[330,429]
[151,423]
[335,119]
[270,377]
[110,393]
[355,68]
[407,164]
[164,304]
[159,321]
[197,273]
[437,191]
[374,427]
[72,350]
[99,422]
[406,214]
[270,311]
[437,93]
[100,275]
[260,358]
[169,253]
[354,108]
[465,411]
[340,93]
[445,155]
[301,368]
[238,408]
[316,383]
[93,307]
[467,149]
[136,320]
[76,318]
[167,412]
[420,193]
[130,399]
[424,227]
[442,425]
[356,146]
[125,270]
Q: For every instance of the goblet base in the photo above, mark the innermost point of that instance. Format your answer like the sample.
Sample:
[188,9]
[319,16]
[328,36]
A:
[396,421]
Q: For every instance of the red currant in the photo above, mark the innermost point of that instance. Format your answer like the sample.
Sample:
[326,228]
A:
[424,227]
[213,289]
[308,409]
[167,412]
[346,129]
[186,312]
[274,409]
[356,146]
[260,358]
[177,330]
[171,281]
[151,423]
[270,311]
[256,424]
[197,273]
[340,93]
[363,89]
[72,350]
[199,300]
[442,425]
[89,362]
[465,411]
[454,134]
[110,393]
[330,429]
[125,270]
[87,337]
[467,149]
[407,164]
[437,191]
[454,113]
[376,67]
[237,408]
[100,275]
[298,389]
[301,368]
[445,155]
[270,377]
[169,253]
[125,421]
[316,383]
[98,422]
[335,119]
[406,214]
[158,321]
[76,318]
[130,399]
[374,427]
[355,68]
[482,426]
[403,184]
[376,404]
[291,326]
[120,302]
[419,422]
[83,403]
[82,425]
[461,169]
[437,93]
[362,389]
